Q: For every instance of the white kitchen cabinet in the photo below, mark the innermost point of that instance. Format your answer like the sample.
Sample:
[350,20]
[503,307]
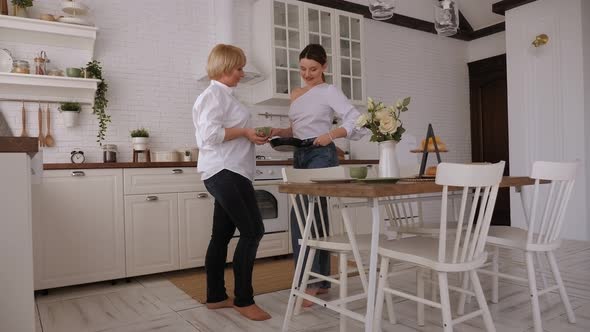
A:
[350,66]
[280,31]
[272,244]
[151,233]
[195,216]
[78,229]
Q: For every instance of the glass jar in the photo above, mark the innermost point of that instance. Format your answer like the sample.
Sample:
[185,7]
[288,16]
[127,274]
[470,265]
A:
[20,67]
[41,66]
[109,153]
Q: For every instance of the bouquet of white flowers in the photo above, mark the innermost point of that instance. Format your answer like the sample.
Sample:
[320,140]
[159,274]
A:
[384,121]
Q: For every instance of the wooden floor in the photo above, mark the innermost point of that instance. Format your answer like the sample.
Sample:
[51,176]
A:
[152,303]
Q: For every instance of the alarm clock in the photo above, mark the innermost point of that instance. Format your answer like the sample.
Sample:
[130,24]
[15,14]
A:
[77,157]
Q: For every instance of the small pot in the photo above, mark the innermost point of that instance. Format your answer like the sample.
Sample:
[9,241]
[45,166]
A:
[140,143]
[70,118]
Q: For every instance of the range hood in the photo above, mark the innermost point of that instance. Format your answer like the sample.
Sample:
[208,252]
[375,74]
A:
[223,30]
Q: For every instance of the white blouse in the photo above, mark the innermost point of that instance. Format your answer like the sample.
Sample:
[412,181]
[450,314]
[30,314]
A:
[312,113]
[216,109]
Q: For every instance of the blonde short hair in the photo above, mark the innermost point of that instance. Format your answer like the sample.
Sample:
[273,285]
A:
[223,59]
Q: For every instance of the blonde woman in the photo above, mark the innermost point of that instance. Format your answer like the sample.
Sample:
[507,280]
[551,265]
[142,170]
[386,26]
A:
[226,161]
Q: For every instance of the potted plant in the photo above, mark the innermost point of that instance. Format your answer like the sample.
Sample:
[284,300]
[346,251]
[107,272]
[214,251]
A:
[140,138]
[20,7]
[69,112]
[94,70]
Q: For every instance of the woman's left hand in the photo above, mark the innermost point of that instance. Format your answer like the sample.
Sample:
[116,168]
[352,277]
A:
[322,140]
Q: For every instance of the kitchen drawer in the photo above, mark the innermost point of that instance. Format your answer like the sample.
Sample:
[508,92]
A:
[162,180]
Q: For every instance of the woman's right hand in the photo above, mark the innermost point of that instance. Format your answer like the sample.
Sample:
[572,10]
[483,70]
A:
[253,136]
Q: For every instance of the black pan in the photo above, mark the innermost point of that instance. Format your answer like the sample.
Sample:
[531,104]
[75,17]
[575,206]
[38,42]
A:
[285,144]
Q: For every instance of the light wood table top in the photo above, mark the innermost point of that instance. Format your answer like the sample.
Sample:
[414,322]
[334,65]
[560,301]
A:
[382,189]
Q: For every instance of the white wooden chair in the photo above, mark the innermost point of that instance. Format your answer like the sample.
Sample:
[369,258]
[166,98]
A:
[543,234]
[344,244]
[454,250]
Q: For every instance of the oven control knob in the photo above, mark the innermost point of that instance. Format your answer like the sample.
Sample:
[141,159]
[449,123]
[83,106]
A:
[259,172]
[270,172]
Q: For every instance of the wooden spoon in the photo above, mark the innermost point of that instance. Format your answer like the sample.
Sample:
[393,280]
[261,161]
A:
[49,141]
[40,118]
[24,133]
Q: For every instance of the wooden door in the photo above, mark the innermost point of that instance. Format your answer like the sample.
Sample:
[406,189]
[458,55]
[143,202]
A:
[489,122]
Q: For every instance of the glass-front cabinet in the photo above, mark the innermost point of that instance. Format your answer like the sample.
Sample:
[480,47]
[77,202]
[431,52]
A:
[350,55]
[319,25]
[287,43]
[282,28]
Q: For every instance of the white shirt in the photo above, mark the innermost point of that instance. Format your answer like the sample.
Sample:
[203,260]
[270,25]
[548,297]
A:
[312,113]
[216,109]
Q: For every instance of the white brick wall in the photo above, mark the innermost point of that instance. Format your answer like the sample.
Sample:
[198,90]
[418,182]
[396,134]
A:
[153,51]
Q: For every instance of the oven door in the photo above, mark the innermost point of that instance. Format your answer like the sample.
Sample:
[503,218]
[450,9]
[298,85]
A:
[273,205]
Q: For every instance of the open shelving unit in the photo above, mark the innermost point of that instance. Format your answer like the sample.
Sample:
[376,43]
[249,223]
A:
[41,87]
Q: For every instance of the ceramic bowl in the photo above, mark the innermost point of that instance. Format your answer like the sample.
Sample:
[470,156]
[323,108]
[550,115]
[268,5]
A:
[358,172]
[74,72]
[264,131]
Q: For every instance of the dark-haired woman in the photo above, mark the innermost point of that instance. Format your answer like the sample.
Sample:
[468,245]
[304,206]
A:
[312,112]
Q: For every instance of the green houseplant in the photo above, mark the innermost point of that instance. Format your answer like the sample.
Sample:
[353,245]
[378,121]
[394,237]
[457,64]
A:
[70,112]
[20,7]
[94,70]
[140,138]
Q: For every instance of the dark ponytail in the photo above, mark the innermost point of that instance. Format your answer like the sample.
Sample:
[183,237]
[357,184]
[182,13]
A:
[317,53]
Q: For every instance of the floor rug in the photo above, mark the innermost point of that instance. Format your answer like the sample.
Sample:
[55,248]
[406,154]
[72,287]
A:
[270,275]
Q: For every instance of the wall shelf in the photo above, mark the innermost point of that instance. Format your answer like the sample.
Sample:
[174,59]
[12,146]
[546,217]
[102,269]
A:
[47,88]
[33,31]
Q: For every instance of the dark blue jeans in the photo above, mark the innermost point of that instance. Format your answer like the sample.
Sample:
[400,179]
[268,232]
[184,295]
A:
[314,157]
[235,207]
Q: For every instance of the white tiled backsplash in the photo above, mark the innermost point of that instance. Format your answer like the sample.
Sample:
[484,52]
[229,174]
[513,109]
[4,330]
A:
[153,52]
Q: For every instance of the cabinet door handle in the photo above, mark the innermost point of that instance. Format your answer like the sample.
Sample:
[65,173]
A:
[177,171]
[78,173]
[151,198]
[202,195]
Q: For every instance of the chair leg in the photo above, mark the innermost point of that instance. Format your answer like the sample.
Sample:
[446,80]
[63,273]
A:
[420,294]
[534,293]
[390,311]
[343,271]
[305,279]
[463,296]
[564,298]
[538,256]
[383,272]
[481,300]
[445,302]
[433,287]
[496,269]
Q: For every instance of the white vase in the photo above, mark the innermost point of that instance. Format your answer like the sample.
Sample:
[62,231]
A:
[70,118]
[388,164]
[140,143]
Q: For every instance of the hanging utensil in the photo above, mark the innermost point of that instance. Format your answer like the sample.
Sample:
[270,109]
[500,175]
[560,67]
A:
[49,141]
[23,132]
[40,118]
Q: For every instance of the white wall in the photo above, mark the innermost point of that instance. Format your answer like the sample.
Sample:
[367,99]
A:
[586,51]
[546,98]
[486,47]
[153,52]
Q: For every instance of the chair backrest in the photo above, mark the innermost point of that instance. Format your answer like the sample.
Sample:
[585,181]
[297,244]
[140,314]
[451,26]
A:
[300,202]
[479,185]
[546,227]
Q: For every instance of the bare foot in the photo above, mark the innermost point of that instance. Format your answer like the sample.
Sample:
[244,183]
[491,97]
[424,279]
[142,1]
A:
[313,292]
[227,303]
[253,312]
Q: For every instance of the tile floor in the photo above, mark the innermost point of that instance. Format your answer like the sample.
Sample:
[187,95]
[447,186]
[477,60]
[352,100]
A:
[152,303]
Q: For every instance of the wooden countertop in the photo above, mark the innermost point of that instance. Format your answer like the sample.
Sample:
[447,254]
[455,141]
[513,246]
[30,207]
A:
[19,144]
[58,166]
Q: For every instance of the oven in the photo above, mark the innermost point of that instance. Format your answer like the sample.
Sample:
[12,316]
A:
[273,205]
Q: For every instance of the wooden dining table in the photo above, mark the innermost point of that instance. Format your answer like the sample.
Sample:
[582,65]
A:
[372,192]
